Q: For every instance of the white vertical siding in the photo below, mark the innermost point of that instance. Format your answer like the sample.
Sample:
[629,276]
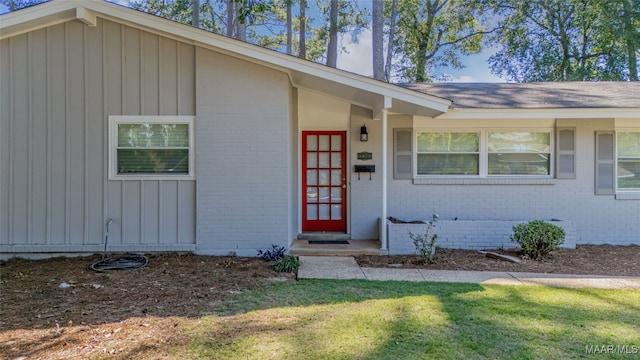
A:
[58,87]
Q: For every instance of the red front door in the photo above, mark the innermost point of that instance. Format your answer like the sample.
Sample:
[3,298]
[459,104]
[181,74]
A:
[324,181]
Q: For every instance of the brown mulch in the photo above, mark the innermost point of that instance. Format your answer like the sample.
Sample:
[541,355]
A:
[140,313]
[120,313]
[584,260]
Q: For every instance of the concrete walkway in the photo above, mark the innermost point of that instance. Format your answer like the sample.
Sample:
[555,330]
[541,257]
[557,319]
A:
[346,267]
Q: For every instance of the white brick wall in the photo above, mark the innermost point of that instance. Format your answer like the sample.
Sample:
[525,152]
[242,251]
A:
[461,234]
[243,166]
[598,219]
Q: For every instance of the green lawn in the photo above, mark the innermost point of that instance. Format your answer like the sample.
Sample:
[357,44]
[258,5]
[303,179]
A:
[331,319]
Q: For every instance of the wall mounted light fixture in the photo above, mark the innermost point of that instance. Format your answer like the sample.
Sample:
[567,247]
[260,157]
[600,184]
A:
[364,135]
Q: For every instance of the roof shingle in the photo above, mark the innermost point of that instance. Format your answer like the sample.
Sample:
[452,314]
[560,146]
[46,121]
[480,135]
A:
[543,95]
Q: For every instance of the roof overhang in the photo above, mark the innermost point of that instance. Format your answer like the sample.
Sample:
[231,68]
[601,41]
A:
[357,89]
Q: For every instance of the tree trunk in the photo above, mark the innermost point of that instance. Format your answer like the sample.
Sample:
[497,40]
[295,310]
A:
[421,65]
[631,38]
[332,48]
[390,42]
[230,17]
[289,26]
[195,18]
[376,39]
[302,42]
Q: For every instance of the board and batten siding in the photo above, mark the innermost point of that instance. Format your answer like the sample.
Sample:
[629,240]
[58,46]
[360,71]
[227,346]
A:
[58,86]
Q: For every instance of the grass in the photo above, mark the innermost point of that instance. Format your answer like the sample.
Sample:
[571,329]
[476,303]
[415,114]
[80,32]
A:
[332,319]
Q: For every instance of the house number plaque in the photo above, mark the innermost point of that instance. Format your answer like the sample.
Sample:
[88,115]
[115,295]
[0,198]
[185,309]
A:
[365,155]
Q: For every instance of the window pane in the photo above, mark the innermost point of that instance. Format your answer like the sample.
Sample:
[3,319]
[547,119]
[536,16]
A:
[520,142]
[324,177]
[324,195]
[629,174]
[448,142]
[336,142]
[324,142]
[153,135]
[312,212]
[447,164]
[629,144]
[312,160]
[140,161]
[324,160]
[312,194]
[312,177]
[336,194]
[312,142]
[336,160]
[336,212]
[519,164]
[628,160]
[336,177]
[323,213]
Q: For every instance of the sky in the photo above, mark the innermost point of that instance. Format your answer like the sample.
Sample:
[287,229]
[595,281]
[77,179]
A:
[357,57]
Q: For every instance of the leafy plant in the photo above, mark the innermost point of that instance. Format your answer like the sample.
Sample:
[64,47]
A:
[537,238]
[274,254]
[288,263]
[426,243]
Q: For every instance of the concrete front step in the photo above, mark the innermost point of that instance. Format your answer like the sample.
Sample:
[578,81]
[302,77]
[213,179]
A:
[355,247]
[323,235]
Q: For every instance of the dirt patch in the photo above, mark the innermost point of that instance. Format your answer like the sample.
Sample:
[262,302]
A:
[584,260]
[123,312]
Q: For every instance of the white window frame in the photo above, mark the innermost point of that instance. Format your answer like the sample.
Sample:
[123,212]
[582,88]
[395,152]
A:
[444,131]
[484,152]
[615,161]
[114,121]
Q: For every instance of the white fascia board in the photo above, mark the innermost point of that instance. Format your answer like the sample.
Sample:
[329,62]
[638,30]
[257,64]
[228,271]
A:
[36,17]
[581,113]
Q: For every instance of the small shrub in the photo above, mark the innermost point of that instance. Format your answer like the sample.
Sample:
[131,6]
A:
[288,263]
[274,254]
[537,238]
[426,243]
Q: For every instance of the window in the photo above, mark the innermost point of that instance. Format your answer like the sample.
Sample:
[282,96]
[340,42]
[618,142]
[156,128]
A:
[143,147]
[628,160]
[448,153]
[519,153]
[486,153]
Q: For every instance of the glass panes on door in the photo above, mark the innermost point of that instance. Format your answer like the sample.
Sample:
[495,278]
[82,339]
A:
[324,177]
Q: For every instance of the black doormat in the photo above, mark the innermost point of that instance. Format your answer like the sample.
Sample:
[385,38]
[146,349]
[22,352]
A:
[328,242]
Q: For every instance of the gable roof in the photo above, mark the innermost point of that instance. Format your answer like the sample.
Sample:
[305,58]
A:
[357,89]
[546,95]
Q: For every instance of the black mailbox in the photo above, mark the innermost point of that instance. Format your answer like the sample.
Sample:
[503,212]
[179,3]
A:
[364,168]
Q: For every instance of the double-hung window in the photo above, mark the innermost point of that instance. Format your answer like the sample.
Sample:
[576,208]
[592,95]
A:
[484,153]
[628,160]
[151,147]
[519,153]
[448,153]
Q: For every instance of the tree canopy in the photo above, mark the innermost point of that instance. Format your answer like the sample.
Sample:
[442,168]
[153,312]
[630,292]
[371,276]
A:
[530,40]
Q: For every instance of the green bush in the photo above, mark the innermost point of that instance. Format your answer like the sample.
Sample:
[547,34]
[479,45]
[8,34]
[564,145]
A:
[537,238]
[287,263]
[426,244]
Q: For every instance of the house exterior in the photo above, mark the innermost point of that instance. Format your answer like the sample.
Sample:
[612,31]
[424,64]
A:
[183,140]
